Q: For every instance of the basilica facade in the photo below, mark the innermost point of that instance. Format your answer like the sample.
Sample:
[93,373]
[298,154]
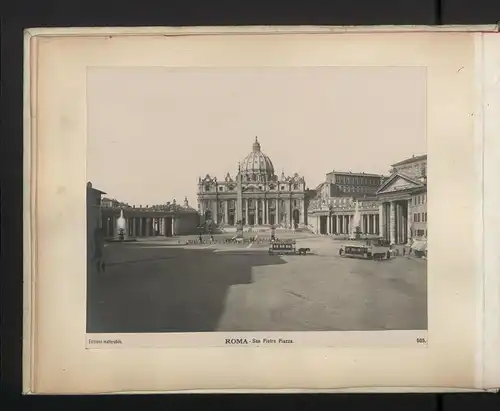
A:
[255,195]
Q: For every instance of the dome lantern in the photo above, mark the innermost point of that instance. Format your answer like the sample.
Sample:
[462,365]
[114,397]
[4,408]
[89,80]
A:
[256,145]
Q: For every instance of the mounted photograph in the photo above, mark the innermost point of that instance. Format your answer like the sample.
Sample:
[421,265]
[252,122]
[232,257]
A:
[272,201]
[246,209]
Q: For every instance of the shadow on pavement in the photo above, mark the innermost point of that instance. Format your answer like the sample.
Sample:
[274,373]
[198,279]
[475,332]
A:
[155,289]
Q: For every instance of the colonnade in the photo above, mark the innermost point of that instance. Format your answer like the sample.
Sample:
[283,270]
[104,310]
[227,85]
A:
[140,226]
[343,223]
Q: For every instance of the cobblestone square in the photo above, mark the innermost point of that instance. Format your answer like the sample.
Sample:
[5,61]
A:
[166,285]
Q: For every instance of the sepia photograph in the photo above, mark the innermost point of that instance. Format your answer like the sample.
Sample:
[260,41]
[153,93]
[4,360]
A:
[254,199]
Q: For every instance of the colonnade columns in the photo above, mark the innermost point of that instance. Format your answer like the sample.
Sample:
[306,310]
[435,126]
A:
[409,223]
[246,211]
[400,226]
[277,217]
[392,223]
[267,211]
[381,220]
[226,212]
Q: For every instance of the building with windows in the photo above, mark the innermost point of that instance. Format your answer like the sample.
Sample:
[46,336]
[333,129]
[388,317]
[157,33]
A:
[256,195]
[349,184]
[403,201]
[334,214]
[393,208]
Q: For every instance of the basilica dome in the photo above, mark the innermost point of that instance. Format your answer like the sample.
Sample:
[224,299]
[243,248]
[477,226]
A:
[257,164]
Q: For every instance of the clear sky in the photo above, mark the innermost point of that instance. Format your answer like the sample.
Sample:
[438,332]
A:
[152,131]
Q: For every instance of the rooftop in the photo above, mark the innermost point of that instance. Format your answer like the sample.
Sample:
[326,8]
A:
[350,173]
[89,186]
[410,160]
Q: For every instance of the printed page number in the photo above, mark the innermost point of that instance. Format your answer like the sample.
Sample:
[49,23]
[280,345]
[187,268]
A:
[421,340]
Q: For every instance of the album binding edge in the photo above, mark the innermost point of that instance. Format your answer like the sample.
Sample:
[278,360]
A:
[29,213]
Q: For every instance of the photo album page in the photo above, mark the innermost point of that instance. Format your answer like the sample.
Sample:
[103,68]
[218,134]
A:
[251,209]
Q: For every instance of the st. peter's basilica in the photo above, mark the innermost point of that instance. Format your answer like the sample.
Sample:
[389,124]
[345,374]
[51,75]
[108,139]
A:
[256,195]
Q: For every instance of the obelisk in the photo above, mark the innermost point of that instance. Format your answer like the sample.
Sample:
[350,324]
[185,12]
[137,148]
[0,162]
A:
[239,204]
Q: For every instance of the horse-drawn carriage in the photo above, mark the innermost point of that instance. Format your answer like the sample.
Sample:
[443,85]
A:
[370,249]
[281,247]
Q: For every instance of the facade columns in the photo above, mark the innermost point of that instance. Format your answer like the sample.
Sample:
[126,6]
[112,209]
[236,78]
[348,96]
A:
[174,228]
[409,222]
[392,223]
[246,211]
[226,212]
[381,220]
[277,212]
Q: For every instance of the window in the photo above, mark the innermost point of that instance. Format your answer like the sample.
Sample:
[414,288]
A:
[221,188]
[282,187]
[207,187]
